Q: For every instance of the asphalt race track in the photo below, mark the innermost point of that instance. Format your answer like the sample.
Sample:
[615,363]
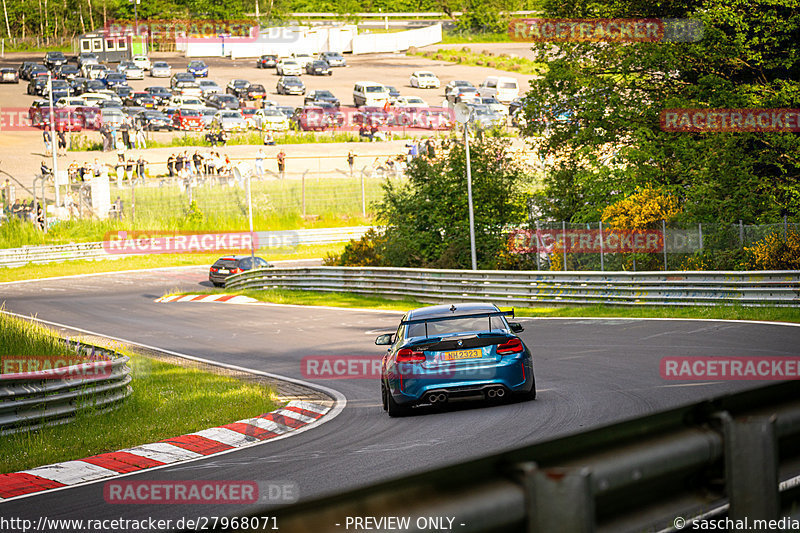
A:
[589,372]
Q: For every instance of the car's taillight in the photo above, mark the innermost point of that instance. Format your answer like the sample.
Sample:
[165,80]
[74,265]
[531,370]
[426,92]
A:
[511,346]
[236,270]
[407,355]
[213,269]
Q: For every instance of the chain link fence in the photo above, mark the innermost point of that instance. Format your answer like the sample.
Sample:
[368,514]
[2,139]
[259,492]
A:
[549,245]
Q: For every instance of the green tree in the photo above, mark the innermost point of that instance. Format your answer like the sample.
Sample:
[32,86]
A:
[600,105]
[427,216]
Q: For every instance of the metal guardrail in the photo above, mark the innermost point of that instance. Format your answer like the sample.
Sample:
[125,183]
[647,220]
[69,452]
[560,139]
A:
[734,457]
[12,257]
[35,399]
[531,288]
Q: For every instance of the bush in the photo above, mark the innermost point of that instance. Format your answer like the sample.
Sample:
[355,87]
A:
[366,251]
[775,252]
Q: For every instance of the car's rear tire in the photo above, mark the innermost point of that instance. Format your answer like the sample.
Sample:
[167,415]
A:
[395,409]
[531,394]
[383,396]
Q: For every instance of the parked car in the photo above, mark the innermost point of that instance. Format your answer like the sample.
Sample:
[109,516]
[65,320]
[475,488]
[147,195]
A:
[187,119]
[318,68]
[131,71]
[198,67]
[87,58]
[286,110]
[9,75]
[160,69]
[255,91]
[141,61]
[271,118]
[424,79]
[113,79]
[66,119]
[484,117]
[37,85]
[493,104]
[249,114]
[320,95]
[222,101]
[302,58]
[452,352]
[92,86]
[141,99]
[462,94]
[288,67]
[369,93]
[333,59]
[154,120]
[207,115]
[160,94]
[503,88]
[237,87]
[209,87]
[370,116]
[410,101]
[186,102]
[181,77]
[435,118]
[35,71]
[310,118]
[290,85]
[54,59]
[113,117]
[123,91]
[25,66]
[457,83]
[94,71]
[67,72]
[233,264]
[229,120]
[267,61]
[34,110]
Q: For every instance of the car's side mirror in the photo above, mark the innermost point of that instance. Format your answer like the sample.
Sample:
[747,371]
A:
[385,339]
[516,327]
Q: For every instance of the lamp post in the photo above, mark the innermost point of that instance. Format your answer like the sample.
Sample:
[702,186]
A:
[463,114]
[53,141]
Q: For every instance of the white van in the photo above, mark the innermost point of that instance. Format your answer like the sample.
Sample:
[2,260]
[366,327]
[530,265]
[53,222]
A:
[504,89]
[369,93]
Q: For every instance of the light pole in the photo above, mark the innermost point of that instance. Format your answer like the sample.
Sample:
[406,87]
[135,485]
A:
[463,114]
[53,141]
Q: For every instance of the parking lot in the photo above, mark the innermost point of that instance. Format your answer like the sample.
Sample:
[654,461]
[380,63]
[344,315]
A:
[22,151]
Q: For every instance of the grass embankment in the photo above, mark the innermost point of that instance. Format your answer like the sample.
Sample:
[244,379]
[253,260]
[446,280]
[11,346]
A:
[465,56]
[157,261]
[167,401]
[277,205]
[352,300]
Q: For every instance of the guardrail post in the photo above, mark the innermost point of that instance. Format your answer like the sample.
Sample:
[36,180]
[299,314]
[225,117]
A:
[741,233]
[564,237]
[664,240]
[751,467]
[538,252]
[559,499]
[700,233]
[602,249]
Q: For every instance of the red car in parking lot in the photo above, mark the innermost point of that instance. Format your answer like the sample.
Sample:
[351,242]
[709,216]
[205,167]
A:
[187,119]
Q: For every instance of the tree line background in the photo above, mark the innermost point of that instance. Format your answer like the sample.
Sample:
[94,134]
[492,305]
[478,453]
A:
[60,20]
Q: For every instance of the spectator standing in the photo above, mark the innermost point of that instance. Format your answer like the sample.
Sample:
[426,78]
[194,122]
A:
[171,165]
[268,139]
[62,142]
[351,159]
[140,166]
[129,164]
[260,162]
[282,163]
[198,162]
[141,141]
[126,137]
[48,141]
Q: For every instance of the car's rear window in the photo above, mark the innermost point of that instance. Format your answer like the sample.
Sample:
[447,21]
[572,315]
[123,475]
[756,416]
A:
[455,325]
[225,263]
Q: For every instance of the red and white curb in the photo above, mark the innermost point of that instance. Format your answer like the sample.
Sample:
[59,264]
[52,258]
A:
[295,415]
[219,298]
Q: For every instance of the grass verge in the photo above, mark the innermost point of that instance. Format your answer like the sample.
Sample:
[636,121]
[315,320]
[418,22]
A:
[168,400]
[465,56]
[155,261]
[352,300]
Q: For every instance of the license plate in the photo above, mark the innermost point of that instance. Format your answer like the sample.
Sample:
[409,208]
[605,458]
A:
[223,270]
[463,354]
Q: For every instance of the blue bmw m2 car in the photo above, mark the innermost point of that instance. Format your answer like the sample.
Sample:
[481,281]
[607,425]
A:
[447,353]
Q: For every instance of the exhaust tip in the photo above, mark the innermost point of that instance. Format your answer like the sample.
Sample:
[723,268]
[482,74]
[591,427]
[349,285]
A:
[501,392]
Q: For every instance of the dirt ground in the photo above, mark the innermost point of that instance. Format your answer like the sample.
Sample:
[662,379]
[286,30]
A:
[22,151]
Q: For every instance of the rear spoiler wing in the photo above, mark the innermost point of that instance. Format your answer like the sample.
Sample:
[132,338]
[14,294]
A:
[452,317]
